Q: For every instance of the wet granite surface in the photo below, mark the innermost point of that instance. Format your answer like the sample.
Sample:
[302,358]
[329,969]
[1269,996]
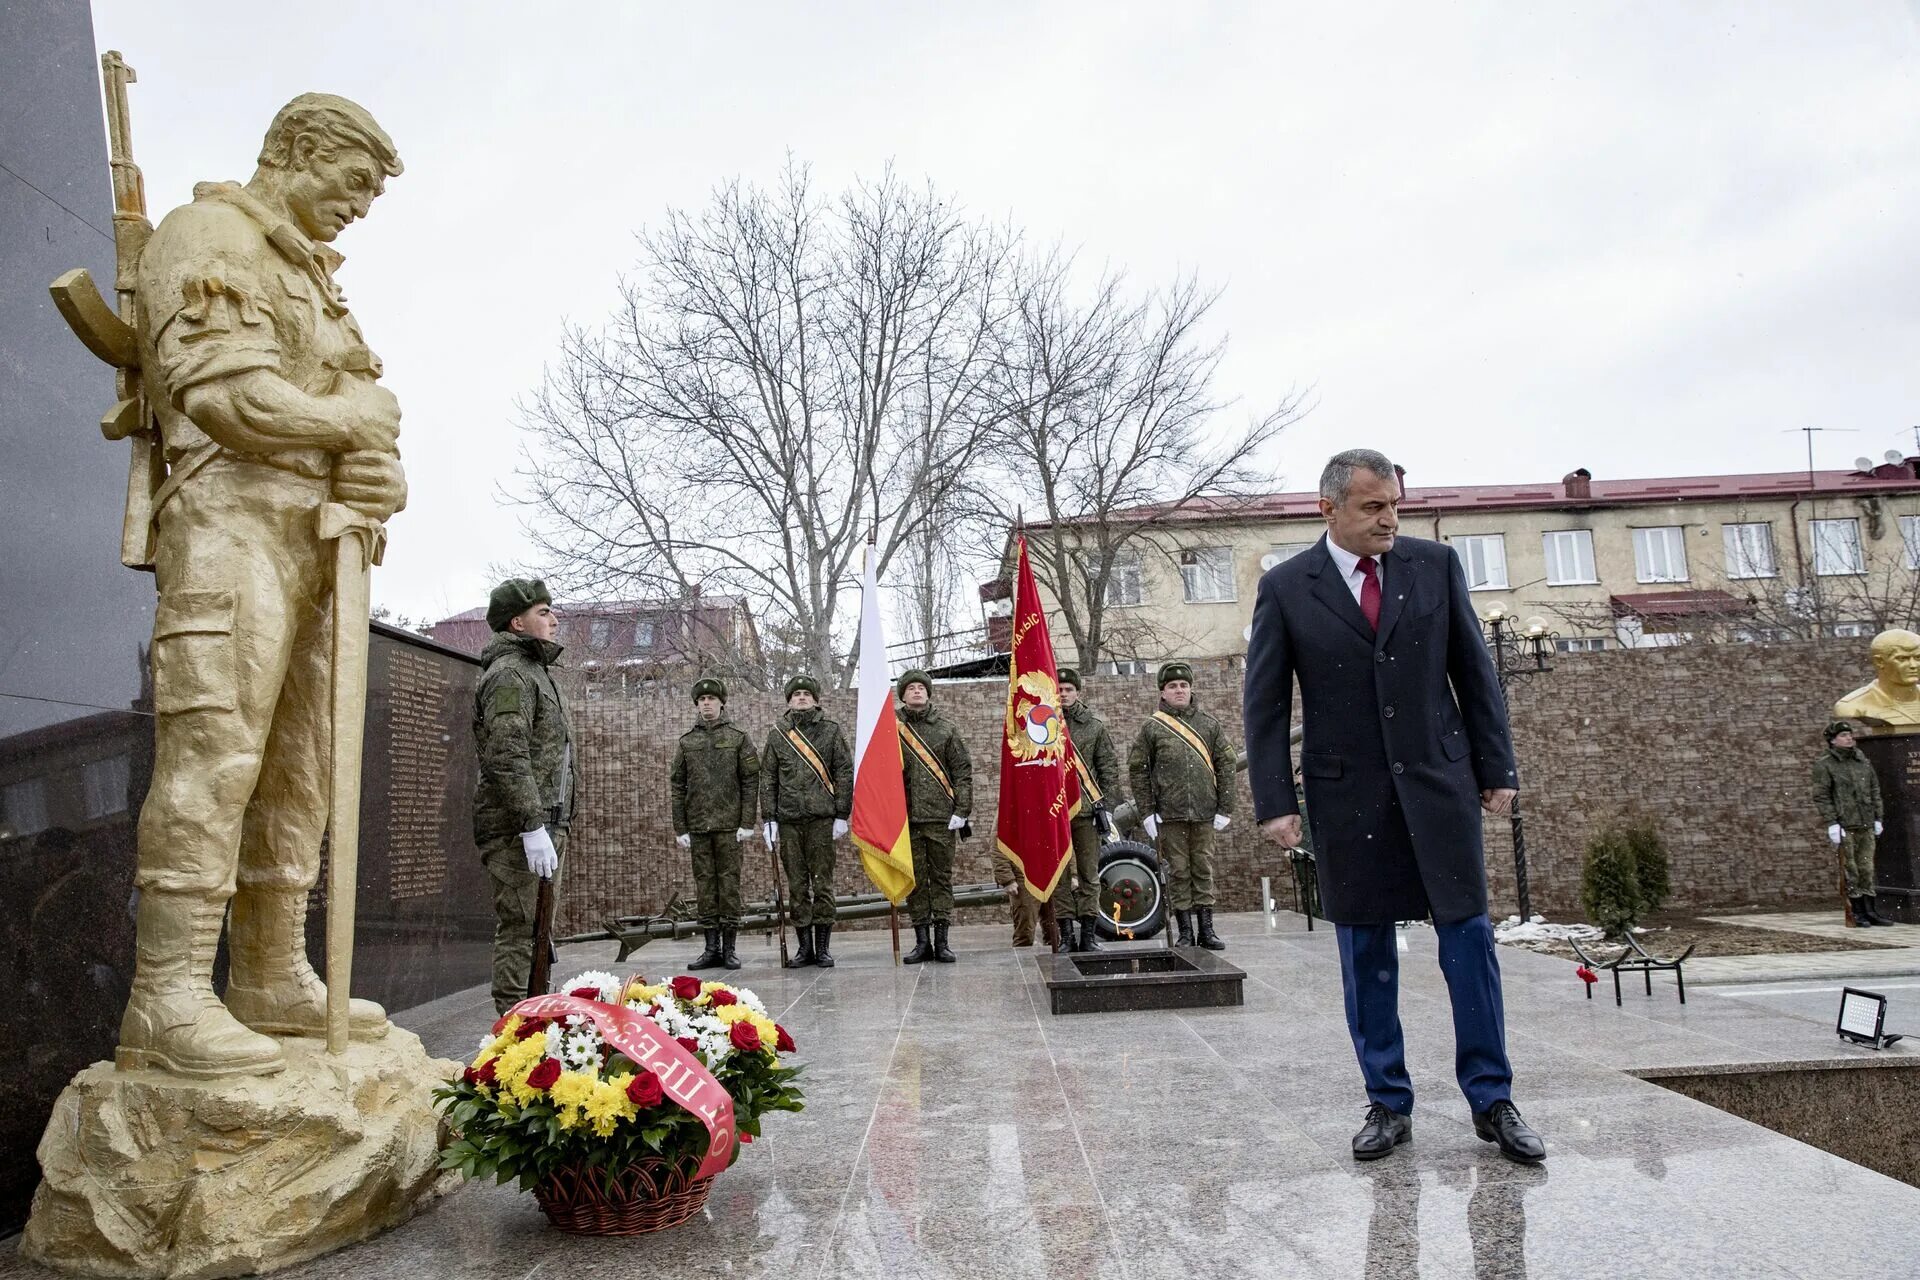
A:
[956,1128]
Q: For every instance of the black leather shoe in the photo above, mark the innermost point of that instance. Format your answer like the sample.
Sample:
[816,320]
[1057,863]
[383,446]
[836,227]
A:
[821,932]
[922,947]
[1185,920]
[1204,930]
[804,956]
[728,956]
[1384,1130]
[710,958]
[1089,935]
[1501,1123]
[941,951]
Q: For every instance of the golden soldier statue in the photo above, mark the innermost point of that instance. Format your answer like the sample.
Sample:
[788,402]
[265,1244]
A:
[279,465]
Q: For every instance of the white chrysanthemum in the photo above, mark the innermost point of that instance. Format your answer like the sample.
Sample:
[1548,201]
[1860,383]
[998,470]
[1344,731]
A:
[485,1041]
[580,1050]
[750,1000]
[608,985]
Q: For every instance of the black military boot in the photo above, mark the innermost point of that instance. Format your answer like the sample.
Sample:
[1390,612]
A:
[804,956]
[1185,936]
[942,952]
[1873,917]
[1065,944]
[728,956]
[1860,918]
[821,932]
[1089,937]
[710,958]
[1208,938]
[922,946]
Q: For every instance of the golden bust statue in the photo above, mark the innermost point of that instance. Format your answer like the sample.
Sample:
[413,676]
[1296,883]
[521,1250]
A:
[1894,696]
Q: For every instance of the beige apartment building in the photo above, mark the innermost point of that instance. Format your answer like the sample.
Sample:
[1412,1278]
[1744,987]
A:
[1604,563]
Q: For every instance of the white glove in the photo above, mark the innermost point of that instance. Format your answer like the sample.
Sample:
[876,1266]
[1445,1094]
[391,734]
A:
[1152,823]
[839,828]
[1220,821]
[956,822]
[770,832]
[742,834]
[684,840]
[542,858]
[1834,833]
[1877,828]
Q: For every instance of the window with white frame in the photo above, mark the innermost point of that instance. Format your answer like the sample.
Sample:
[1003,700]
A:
[1910,535]
[643,634]
[1569,555]
[1851,629]
[1283,552]
[1749,550]
[23,807]
[1581,644]
[1485,558]
[1660,554]
[1836,547]
[600,634]
[105,783]
[1123,579]
[1207,574]
[1127,667]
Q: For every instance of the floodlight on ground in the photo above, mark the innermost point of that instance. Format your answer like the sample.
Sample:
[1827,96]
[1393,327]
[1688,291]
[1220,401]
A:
[1863,1018]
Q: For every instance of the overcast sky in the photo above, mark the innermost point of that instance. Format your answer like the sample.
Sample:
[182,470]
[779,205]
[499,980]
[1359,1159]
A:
[1498,240]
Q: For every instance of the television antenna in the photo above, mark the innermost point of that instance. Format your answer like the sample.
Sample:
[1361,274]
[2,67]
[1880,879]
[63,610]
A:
[1810,433]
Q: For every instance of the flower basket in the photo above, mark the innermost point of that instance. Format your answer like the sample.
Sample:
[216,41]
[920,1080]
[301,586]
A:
[618,1102]
[650,1196]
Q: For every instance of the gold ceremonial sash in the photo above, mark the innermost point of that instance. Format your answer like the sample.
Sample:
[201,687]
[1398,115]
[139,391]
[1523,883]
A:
[1187,736]
[1088,787]
[925,757]
[804,749]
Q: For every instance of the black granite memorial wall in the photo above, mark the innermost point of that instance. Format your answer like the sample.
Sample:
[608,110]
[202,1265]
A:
[1896,762]
[76,729]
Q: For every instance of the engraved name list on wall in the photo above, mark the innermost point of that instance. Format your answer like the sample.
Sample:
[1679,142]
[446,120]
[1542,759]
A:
[417,776]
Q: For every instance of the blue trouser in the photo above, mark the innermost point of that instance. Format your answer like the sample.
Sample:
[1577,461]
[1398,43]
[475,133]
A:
[1370,975]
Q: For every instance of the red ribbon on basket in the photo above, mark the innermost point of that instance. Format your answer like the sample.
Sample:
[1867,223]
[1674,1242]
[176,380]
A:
[640,1039]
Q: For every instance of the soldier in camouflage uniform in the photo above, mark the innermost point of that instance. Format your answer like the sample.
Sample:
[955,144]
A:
[524,803]
[1182,770]
[1099,789]
[939,778]
[806,796]
[716,793]
[1846,791]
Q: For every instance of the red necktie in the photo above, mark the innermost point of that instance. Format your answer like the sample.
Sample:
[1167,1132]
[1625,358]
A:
[1370,591]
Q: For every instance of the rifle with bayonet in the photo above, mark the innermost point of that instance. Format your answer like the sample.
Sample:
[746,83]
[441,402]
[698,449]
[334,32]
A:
[111,332]
[779,899]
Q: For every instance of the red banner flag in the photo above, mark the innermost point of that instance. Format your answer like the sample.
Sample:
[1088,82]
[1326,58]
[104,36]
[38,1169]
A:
[1039,793]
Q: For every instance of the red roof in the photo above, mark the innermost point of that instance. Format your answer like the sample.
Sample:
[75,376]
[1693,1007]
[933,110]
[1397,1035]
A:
[1898,477]
[1678,604]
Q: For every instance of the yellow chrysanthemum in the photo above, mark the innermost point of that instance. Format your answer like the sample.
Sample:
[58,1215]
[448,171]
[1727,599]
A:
[769,1034]
[609,1104]
[645,993]
[732,1013]
[519,1058]
[500,1042]
[571,1094]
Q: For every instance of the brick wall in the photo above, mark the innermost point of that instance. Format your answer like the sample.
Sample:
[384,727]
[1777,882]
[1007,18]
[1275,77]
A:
[1712,742]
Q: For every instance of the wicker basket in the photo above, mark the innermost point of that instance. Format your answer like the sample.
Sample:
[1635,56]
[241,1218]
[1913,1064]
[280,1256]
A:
[650,1196]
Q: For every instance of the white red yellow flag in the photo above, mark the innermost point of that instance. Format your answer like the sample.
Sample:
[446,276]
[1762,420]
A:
[879,790]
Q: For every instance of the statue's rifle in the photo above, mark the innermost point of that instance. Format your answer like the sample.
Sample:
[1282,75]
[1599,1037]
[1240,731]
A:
[111,332]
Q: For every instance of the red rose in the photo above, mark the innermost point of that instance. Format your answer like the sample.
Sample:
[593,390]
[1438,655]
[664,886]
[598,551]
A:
[688,1043]
[686,987]
[644,1090]
[745,1138]
[530,1026]
[1587,975]
[470,1076]
[543,1076]
[718,998]
[785,1042]
[585,993]
[745,1037]
[485,1073]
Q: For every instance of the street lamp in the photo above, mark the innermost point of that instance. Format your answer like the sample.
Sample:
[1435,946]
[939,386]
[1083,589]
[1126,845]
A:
[1519,649]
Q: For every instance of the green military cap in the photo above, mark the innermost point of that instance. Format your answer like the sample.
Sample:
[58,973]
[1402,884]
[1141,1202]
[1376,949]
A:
[512,598]
[701,688]
[808,683]
[1069,676]
[1837,728]
[1171,671]
[915,676]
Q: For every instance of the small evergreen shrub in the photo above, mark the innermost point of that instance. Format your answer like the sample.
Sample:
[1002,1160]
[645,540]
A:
[1626,877]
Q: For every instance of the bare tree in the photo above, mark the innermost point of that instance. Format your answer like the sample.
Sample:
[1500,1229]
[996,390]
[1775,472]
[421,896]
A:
[784,375]
[1113,433]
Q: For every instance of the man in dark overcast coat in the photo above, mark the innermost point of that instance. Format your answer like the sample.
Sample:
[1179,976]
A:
[1405,742]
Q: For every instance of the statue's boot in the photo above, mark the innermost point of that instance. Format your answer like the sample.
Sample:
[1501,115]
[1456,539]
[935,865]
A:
[272,987]
[174,1022]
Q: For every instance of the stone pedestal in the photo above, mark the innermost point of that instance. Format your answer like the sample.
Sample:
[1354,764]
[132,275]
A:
[1896,761]
[151,1175]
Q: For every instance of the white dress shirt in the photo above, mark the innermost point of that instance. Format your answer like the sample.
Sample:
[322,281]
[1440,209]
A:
[1349,566]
